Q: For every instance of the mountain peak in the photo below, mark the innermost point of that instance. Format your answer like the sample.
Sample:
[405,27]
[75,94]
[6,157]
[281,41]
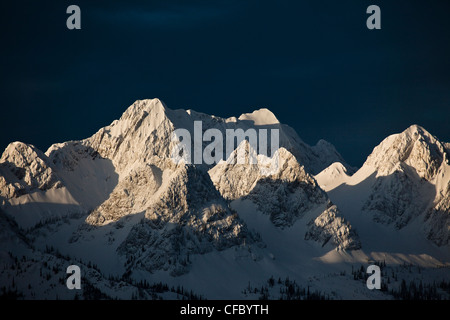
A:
[414,147]
[22,154]
[145,105]
[260,117]
[335,169]
[332,176]
[24,168]
[415,131]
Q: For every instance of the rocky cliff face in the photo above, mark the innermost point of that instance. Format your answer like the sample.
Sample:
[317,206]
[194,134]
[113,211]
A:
[437,219]
[279,186]
[414,147]
[330,226]
[190,217]
[410,167]
[24,169]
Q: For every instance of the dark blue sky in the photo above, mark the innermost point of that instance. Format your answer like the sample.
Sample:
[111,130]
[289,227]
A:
[313,63]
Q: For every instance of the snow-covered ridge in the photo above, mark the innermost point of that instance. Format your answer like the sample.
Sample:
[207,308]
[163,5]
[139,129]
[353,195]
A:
[260,117]
[94,169]
[331,226]
[403,182]
[333,176]
[281,188]
[190,217]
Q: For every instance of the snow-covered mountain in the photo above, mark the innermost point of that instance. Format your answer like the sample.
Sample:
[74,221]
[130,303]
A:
[280,188]
[84,173]
[284,193]
[118,205]
[25,169]
[404,183]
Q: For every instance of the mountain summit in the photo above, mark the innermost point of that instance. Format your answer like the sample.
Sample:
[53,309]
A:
[260,117]
[414,147]
[403,183]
